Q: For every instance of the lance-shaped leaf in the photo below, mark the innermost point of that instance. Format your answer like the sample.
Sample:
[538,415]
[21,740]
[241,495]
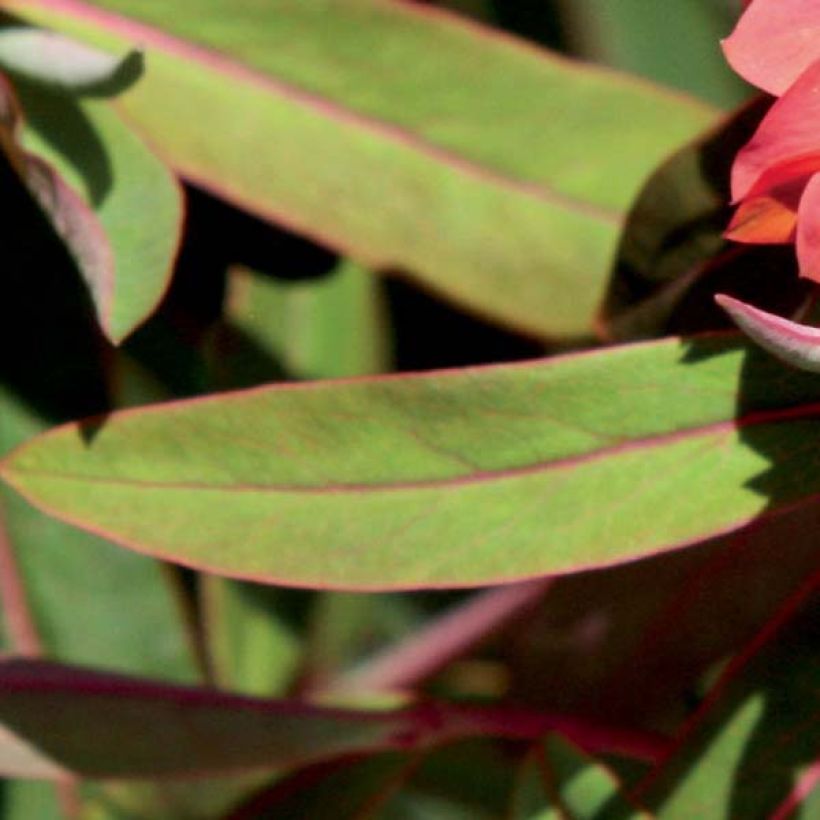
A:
[54,60]
[58,719]
[796,344]
[64,719]
[73,221]
[447,479]
[485,169]
[115,179]
[114,205]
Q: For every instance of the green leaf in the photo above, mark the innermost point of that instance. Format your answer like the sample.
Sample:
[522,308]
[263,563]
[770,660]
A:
[92,724]
[24,799]
[92,603]
[48,58]
[61,719]
[252,648]
[333,326]
[491,172]
[454,478]
[135,199]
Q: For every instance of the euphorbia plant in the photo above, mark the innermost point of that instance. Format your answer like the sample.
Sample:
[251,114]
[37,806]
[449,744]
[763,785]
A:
[238,555]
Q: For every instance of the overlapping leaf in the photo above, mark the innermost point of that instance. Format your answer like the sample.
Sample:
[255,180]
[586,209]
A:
[492,152]
[458,478]
[60,719]
[135,202]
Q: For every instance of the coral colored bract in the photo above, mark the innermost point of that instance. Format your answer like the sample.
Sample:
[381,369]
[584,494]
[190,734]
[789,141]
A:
[775,182]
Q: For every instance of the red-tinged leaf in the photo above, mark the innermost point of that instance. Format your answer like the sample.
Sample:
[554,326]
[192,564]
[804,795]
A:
[793,343]
[787,135]
[84,236]
[458,478]
[58,61]
[101,725]
[485,130]
[60,719]
[72,219]
[808,230]
[774,42]
[115,207]
[117,180]
[599,637]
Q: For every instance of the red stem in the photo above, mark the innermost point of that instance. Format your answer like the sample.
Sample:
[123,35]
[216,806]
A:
[452,721]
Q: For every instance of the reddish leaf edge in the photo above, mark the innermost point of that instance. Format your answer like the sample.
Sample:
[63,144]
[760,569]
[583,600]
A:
[151,37]
[745,523]
[795,344]
[421,725]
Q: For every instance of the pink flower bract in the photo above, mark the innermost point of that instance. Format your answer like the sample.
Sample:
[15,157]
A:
[774,42]
[776,175]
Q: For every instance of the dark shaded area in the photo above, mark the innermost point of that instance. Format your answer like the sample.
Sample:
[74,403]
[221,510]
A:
[672,258]
[782,676]
[129,69]
[538,20]
[179,342]
[172,344]
[430,333]
[52,355]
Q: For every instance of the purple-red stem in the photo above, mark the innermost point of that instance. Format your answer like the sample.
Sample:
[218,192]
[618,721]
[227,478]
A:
[465,720]
[449,636]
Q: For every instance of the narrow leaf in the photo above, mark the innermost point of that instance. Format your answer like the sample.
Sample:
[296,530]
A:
[58,61]
[60,719]
[100,725]
[458,478]
[793,343]
[113,177]
[507,171]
